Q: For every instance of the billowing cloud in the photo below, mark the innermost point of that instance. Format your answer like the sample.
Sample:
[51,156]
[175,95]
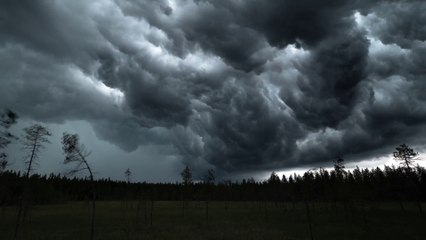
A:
[233,85]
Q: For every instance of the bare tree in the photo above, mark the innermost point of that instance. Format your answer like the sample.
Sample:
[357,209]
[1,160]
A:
[77,153]
[406,155]
[34,139]
[7,119]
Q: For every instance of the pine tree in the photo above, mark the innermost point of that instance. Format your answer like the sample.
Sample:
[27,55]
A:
[339,165]
[186,175]
[35,138]
[128,175]
[406,155]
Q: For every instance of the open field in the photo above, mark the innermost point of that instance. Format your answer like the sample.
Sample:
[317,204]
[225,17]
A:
[240,220]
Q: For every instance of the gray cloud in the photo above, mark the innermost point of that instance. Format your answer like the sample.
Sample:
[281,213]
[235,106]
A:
[239,86]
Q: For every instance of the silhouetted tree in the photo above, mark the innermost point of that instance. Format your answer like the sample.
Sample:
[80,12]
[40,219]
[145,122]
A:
[128,175]
[186,175]
[34,139]
[7,119]
[406,155]
[77,153]
[208,181]
[274,178]
[339,165]
[274,183]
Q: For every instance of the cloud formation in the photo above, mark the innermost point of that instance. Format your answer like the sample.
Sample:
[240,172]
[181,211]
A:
[233,85]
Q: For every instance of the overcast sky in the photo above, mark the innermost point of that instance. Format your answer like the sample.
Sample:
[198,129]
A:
[241,86]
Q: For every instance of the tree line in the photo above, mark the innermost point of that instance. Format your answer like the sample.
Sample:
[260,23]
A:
[406,182]
[388,184]
[24,188]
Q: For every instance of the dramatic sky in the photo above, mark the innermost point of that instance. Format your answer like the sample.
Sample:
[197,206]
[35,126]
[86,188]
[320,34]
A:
[240,86]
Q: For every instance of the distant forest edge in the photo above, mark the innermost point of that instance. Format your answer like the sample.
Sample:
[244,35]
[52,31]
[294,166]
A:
[390,184]
[404,183]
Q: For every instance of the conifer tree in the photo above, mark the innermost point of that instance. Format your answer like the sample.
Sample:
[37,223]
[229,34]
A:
[34,139]
[77,153]
[405,155]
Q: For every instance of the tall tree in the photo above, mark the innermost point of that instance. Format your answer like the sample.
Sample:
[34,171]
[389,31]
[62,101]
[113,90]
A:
[405,155]
[186,175]
[35,138]
[7,119]
[339,165]
[128,175]
[274,178]
[209,177]
[208,181]
[77,153]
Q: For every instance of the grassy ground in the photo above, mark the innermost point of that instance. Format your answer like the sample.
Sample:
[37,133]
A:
[247,220]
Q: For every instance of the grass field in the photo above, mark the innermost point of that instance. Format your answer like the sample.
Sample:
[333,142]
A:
[241,220]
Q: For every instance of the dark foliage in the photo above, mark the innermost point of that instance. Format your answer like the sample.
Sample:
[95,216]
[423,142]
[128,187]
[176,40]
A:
[390,184]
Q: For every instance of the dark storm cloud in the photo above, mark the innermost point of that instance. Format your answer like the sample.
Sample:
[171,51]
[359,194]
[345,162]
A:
[233,85]
[335,69]
[284,22]
[400,23]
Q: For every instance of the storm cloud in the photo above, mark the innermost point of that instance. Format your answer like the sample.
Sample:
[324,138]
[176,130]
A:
[237,86]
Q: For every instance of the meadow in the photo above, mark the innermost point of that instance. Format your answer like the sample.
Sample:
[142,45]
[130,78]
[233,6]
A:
[226,220]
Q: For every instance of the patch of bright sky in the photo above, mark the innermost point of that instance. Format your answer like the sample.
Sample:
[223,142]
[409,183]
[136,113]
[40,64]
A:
[313,138]
[114,95]
[371,163]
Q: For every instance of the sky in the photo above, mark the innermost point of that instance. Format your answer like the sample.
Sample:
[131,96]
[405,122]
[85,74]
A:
[244,87]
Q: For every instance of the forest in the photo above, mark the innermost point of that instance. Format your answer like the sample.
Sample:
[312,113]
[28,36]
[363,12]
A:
[347,191]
